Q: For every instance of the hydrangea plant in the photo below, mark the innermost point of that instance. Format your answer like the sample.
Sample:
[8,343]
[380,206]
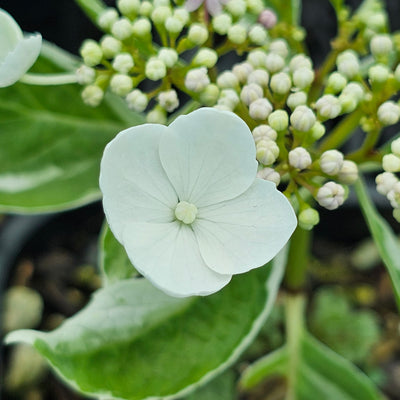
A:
[213,142]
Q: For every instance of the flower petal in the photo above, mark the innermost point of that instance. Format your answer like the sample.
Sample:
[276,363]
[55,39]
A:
[168,255]
[134,185]
[209,156]
[19,60]
[246,232]
[192,5]
[214,7]
[10,34]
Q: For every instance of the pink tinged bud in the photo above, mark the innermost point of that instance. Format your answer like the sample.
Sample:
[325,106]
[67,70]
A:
[267,18]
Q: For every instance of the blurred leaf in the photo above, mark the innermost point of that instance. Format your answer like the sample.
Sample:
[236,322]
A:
[133,341]
[51,143]
[287,11]
[385,239]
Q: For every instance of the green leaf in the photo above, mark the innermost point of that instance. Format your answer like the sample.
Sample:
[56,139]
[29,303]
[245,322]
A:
[320,373]
[386,241]
[115,264]
[51,143]
[134,342]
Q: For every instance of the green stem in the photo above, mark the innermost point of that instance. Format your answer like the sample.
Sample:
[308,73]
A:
[48,79]
[342,131]
[294,315]
[298,259]
[92,8]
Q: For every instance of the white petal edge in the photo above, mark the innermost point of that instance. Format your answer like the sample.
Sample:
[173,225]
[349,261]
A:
[10,34]
[18,61]
[132,180]
[246,232]
[168,255]
[209,156]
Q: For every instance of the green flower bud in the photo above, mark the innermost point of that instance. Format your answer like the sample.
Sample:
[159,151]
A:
[157,116]
[303,77]
[317,130]
[280,47]
[391,163]
[308,218]
[257,58]
[302,118]
[129,7]
[348,174]
[378,74]
[92,95]
[260,109]
[336,82]
[206,57]
[209,95]
[255,6]
[197,79]
[155,69]
[258,35]
[110,46]
[141,27]
[168,100]
[281,83]
[160,14]
[237,34]
[221,23]
[328,106]
[227,80]
[146,8]
[85,75]
[267,151]
[381,46]
[198,34]
[274,62]
[300,61]
[168,56]
[278,120]
[91,53]
[236,7]
[182,15]
[107,18]
[348,103]
[121,84]
[122,29]
[250,93]
[137,100]
[174,25]
[123,63]
[388,113]
[296,99]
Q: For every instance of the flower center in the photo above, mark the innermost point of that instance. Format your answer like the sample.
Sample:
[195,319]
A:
[185,212]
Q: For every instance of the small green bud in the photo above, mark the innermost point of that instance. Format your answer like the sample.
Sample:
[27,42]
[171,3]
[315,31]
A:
[182,15]
[250,93]
[122,29]
[255,6]
[197,79]
[92,95]
[258,35]
[237,34]
[317,130]
[123,63]
[303,77]
[168,100]
[198,34]
[302,118]
[206,57]
[174,25]
[121,84]
[281,83]
[260,109]
[160,14]
[278,120]
[336,82]
[129,8]
[388,113]
[168,56]
[157,116]
[348,174]
[328,106]
[378,74]
[274,62]
[155,69]
[221,23]
[308,218]
[391,163]
[209,95]
[348,103]
[236,7]
[141,27]
[227,80]
[348,64]
[267,151]
[85,75]
[110,46]
[279,46]
[91,53]
[107,18]
[146,8]
[381,46]
[296,99]
[137,100]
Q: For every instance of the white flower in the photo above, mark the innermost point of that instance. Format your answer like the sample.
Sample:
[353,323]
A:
[185,202]
[17,53]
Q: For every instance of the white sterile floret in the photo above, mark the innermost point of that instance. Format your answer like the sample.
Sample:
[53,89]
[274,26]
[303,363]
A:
[168,100]
[155,69]
[242,71]
[308,218]
[331,161]
[251,92]
[328,106]
[331,195]
[110,46]
[121,84]
[237,33]
[221,23]
[296,99]
[385,182]
[197,34]
[395,147]
[129,7]
[17,52]
[85,75]
[274,62]
[267,151]
[122,29]
[174,25]
[303,77]
[263,132]
[156,116]
[381,45]
[299,158]
[91,53]
[206,57]
[227,80]
[210,94]
[281,83]
[348,174]
[92,95]
[269,174]
[278,120]
[141,27]
[107,18]
[259,77]
[123,63]
[279,46]
[389,113]
[260,109]
[160,14]
[171,200]
[197,79]
[257,58]
[336,82]
[348,64]
[391,163]
[236,7]
[300,61]
[302,118]
[168,56]
[137,100]
[258,35]
[228,98]
[394,195]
